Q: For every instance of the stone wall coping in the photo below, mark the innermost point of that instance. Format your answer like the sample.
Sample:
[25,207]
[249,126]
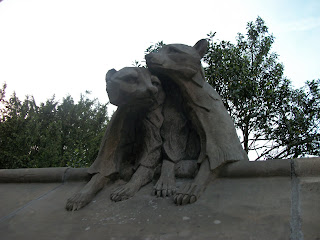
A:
[307,167]
[44,175]
[301,167]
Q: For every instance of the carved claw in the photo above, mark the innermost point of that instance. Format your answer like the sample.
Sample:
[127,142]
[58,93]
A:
[122,193]
[189,193]
[165,187]
[77,201]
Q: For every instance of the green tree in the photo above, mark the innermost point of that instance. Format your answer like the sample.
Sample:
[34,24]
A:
[44,131]
[3,93]
[14,138]
[82,127]
[259,98]
[52,134]
[296,126]
[2,100]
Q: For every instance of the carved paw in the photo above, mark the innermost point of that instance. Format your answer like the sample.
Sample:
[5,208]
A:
[78,200]
[122,193]
[166,186]
[189,193]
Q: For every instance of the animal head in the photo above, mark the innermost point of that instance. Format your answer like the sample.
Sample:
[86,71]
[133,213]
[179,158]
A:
[134,86]
[179,59]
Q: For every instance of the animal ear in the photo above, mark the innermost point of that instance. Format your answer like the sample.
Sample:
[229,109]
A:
[110,74]
[201,47]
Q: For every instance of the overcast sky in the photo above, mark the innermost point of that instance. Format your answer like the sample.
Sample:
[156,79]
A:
[66,46]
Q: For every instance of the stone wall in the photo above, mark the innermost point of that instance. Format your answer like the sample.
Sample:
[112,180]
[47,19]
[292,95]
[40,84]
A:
[275,199]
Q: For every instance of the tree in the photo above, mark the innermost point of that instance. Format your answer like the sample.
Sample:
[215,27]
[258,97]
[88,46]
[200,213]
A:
[2,100]
[82,128]
[261,101]
[3,93]
[297,126]
[52,134]
[14,137]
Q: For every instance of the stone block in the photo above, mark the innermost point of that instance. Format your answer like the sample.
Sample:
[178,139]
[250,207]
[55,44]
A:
[237,208]
[307,167]
[310,207]
[41,175]
[269,168]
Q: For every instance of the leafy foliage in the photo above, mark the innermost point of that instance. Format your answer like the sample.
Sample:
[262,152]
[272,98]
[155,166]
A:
[274,120]
[154,47]
[2,98]
[52,134]
[296,128]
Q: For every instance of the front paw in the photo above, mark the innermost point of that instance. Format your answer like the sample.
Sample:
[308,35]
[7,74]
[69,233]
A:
[165,187]
[123,193]
[78,200]
[189,193]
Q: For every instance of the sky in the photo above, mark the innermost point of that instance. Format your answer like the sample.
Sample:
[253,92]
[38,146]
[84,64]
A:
[66,47]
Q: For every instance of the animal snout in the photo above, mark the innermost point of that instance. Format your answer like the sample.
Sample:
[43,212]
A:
[149,56]
[152,90]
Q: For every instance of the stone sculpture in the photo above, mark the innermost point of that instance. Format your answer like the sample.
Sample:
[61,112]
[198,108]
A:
[166,114]
[179,65]
[131,146]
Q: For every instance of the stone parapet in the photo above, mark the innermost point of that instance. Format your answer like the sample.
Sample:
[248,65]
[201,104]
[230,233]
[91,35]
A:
[302,167]
[275,199]
[43,175]
[307,167]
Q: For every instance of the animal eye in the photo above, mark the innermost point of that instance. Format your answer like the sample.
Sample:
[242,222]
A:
[131,80]
[155,83]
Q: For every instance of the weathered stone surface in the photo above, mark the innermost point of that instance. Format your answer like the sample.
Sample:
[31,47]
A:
[76,174]
[238,208]
[309,198]
[14,196]
[32,175]
[43,175]
[260,206]
[269,168]
[307,167]
[183,169]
